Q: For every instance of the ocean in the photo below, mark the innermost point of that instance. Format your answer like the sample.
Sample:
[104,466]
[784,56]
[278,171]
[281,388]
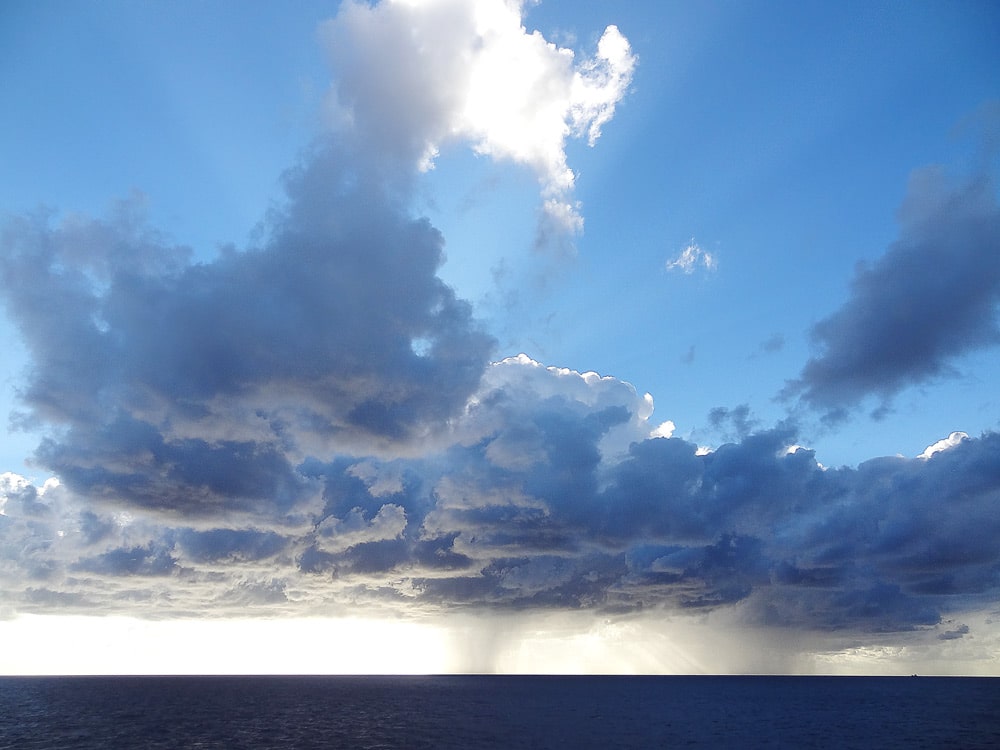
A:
[475,711]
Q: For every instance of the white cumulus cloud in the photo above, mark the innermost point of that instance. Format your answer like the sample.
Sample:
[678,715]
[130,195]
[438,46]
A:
[944,444]
[415,75]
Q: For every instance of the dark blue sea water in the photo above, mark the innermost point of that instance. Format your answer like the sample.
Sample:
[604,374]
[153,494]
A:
[499,712]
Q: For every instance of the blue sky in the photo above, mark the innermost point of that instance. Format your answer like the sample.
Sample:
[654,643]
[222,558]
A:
[253,339]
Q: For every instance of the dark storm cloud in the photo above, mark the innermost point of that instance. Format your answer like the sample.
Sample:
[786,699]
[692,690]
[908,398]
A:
[888,546]
[932,297]
[196,386]
[880,547]
[545,501]
[132,462]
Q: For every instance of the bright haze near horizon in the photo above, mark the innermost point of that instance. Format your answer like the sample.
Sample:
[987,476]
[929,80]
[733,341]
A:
[472,335]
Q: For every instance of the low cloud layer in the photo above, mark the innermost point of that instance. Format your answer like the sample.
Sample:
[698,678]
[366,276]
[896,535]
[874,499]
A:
[913,312]
[550,496]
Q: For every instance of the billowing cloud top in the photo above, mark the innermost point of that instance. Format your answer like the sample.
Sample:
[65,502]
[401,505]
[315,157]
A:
[415,75]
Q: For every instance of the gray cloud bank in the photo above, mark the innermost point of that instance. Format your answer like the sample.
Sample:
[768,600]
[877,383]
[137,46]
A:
[546,496]
[912,313]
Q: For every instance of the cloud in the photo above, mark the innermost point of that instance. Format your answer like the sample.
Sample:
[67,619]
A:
[195,388]
[774,343]
[335,535]
[690,258]
[551,494]
[944,444]
[950,635]
[739,419]
[913,312]
[314,424]
[511,94]
[227,545]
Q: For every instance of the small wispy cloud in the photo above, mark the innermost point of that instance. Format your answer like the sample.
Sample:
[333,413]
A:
[951,635]
[691,257]
[775,343]
[771,345]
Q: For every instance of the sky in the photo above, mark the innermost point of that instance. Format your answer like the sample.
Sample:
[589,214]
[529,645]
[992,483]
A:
[497,336]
